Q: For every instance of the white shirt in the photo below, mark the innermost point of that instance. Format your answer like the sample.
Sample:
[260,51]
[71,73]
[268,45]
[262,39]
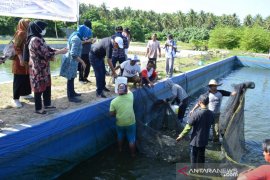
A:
[170,50]
[129,70]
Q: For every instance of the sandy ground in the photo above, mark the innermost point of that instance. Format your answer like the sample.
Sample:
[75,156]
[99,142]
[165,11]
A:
[12,116]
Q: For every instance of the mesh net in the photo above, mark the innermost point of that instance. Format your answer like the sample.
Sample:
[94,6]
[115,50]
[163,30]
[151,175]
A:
[232,123]
[157,128]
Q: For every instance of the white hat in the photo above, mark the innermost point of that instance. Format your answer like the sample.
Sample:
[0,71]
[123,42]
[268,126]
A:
[213,82]
[119,41]
[134,58]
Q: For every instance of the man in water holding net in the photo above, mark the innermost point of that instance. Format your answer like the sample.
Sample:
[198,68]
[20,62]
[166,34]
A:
[261,172]
[200,121]
[122,108]
[215,99]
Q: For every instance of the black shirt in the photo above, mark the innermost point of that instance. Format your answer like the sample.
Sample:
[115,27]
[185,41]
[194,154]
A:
[103,48]
[201,121]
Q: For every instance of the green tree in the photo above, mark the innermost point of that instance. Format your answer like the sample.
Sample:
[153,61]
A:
[255,39]
[225,37]
[248,21]
[137,33]
[101,30]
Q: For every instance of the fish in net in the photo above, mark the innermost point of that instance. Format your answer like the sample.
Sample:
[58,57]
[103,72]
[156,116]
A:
[157,128]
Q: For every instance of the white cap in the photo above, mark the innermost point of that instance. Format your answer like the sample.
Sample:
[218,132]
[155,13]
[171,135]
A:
[134,58]
[120,42]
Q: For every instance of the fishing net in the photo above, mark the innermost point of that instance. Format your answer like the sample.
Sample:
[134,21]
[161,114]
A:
[157,128]
[232,126]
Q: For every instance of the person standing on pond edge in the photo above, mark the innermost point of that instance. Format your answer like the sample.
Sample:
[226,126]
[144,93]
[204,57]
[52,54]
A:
[40,55]
[118,54]
[21,80]
[97,54]
[86,46]
[71,59]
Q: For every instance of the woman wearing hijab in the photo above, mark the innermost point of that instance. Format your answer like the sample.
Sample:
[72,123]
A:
[21,82]
[40,55]
[72,58]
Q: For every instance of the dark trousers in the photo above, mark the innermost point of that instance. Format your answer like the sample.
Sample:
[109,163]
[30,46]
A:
[182,109]
[21,86]
[116,59]
[46,98]
[197,155]
[70,88]
[83,73]
[145,82]
[100,72]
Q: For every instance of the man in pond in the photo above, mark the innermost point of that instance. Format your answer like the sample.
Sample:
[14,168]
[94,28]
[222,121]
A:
[122,108]
[215,99]
[200,121]
[261,172]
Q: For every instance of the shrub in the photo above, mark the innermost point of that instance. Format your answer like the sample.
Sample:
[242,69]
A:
[225,37]
[255,39]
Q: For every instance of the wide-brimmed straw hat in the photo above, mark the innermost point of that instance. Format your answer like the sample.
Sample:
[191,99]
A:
[213,82]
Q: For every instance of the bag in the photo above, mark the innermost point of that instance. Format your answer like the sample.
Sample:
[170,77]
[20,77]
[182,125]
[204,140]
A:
[26,54]
[9,51]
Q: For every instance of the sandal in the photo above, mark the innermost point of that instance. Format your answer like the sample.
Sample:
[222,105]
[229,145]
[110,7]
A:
[41,112]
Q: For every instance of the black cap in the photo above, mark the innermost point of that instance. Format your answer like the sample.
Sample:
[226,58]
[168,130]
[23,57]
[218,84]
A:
[127,30]
[119,28]
[88,23]
[204,99]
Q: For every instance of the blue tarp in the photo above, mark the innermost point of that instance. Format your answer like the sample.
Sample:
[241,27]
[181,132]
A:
[50,148]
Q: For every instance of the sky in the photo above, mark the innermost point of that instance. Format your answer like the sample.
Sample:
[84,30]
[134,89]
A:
[218,7]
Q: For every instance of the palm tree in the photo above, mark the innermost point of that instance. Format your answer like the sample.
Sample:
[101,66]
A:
[201,19]
[248,21]
[258,20]
[191,18]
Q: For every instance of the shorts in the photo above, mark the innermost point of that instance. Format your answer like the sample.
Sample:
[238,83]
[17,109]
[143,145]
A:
[128,131]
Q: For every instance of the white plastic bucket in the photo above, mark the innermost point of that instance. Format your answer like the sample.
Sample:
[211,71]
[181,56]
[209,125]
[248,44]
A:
[119,80]
[175,108]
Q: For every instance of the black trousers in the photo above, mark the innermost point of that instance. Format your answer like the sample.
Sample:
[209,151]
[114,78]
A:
[197,156]
[21,86]
[84,73]
[182,109]
[46,98]
[70,88]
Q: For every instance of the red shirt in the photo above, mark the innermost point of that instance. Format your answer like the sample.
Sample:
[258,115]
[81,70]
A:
[260,173]
[151,73]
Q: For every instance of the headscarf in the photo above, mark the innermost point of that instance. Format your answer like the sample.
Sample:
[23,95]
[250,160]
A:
[82,32]
[23,25]
[35,28]
[21,32]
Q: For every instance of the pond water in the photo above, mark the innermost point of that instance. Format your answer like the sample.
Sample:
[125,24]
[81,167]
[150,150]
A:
[6,69]
[110,164]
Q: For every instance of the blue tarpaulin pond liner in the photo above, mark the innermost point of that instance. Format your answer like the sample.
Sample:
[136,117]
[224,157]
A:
[49,148]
